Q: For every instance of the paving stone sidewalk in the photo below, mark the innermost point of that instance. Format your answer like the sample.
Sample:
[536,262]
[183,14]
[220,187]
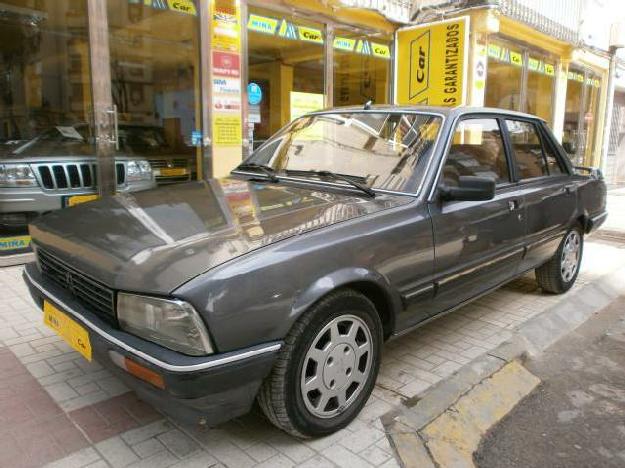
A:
[110,427]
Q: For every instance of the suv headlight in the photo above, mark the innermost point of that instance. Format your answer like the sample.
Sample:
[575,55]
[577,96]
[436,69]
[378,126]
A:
[173,324]
[17,175]
[138,170]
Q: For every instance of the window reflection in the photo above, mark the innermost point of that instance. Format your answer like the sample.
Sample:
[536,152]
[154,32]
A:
[155,86]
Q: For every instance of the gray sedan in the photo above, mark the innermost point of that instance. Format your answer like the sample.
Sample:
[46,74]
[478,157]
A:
[281,282]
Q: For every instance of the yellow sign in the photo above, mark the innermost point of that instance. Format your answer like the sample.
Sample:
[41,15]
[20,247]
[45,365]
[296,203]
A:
[78,199]
[344,43]
[381,50]
[303,103]
[183,6]
[310,34]
[74,334]
[226,27]
[227,129]
[516,59]
[262,24]
[431,63]
[14,242]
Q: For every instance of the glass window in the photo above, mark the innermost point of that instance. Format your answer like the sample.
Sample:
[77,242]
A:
[504,77]
[527,149]
[361,68]
[572,130]
[591,115]
[384,150]
[477,150]
[155,85]
[45,111]
[540,87]
[285,60]
[553,163]
[581,114]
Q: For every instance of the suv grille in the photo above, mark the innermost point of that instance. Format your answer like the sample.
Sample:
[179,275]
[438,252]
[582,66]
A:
[96,296]
[74,175]
[163,163]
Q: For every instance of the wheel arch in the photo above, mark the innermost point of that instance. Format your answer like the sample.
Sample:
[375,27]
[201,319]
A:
[370,284]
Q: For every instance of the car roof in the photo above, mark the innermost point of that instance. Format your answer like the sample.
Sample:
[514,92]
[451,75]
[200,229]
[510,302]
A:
[445,111]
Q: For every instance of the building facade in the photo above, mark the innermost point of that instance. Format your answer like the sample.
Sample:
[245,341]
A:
[190,87]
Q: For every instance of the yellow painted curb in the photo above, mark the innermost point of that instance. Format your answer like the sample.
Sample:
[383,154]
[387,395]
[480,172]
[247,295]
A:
[453,436]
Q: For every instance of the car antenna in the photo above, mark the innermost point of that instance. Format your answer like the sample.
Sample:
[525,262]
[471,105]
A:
[368,104]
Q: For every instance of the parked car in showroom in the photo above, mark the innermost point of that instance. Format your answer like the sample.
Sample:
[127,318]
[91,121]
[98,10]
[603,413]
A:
[149,142]
[281,282]
[57,169]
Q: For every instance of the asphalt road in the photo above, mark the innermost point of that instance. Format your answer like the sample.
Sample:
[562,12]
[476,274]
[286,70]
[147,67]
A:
[576,417]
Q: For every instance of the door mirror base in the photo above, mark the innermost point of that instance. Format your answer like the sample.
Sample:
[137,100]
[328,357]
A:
[470,188]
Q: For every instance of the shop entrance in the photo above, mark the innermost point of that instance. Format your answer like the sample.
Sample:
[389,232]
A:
[154,64]
[285,69]
[581,113]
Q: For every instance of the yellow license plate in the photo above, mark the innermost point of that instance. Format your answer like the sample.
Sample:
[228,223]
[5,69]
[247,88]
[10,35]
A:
[74,334]
[77,199]
[173,171]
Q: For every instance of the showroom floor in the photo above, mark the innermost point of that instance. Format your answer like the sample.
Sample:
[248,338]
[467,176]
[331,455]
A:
[57,407]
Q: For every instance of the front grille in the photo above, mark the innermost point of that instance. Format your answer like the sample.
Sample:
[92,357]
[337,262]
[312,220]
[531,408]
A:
[93,294]
[74,175]
[163,163]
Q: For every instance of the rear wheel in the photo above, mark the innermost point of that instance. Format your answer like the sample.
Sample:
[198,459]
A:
[327,368]
[560,272]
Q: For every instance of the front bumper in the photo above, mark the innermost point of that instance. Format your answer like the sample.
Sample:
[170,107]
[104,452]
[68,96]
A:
[33,201]
[206,390]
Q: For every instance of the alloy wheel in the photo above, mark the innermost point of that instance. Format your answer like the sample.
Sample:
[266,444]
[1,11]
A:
[336,366]
[569,261]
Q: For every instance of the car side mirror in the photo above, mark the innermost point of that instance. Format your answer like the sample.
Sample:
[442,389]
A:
[470,188]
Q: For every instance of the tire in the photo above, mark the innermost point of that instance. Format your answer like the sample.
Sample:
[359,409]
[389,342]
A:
[321,351]
[560,272]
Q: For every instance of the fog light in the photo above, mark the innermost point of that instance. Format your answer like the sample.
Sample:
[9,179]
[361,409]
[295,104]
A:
[137,370]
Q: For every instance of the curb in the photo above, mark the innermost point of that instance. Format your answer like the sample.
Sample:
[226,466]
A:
[439,428]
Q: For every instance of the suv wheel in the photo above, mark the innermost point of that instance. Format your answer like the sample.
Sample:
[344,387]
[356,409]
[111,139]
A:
[327,368]
[560,272]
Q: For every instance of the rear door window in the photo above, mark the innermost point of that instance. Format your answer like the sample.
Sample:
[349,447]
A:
[527,149]
[477,150]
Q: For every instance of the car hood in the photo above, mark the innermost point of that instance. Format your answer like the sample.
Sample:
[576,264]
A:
[154,241]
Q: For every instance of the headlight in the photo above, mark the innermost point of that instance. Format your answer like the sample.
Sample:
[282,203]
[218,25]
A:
[138,170]
[173,324]
[17,175]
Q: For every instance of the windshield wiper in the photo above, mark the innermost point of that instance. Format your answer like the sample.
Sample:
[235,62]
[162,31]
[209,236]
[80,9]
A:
[269,171]
[333,175]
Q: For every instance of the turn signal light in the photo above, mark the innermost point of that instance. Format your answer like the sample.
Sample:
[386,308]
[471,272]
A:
[137,370]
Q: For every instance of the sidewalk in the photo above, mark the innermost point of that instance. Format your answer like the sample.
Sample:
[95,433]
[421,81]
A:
[44,385]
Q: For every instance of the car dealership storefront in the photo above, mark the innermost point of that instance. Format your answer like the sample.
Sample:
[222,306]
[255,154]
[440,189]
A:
[93,90]
[101,96]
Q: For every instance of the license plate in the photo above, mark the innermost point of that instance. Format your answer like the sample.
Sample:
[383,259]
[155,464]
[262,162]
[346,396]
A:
[74,334]
[173,171]
[77,199]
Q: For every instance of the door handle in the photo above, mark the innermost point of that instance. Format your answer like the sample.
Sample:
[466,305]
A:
[569,188]
[513,205]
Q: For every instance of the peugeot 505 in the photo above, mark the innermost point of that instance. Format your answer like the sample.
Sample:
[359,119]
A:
[281,282]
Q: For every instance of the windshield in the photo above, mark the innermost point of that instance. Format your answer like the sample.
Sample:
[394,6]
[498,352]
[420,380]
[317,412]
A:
[384,150]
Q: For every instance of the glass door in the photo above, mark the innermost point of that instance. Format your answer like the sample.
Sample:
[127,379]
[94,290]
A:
[155,89]
[581,114]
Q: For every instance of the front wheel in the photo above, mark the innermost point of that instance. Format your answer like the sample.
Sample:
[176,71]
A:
[327,368]
[560,272]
